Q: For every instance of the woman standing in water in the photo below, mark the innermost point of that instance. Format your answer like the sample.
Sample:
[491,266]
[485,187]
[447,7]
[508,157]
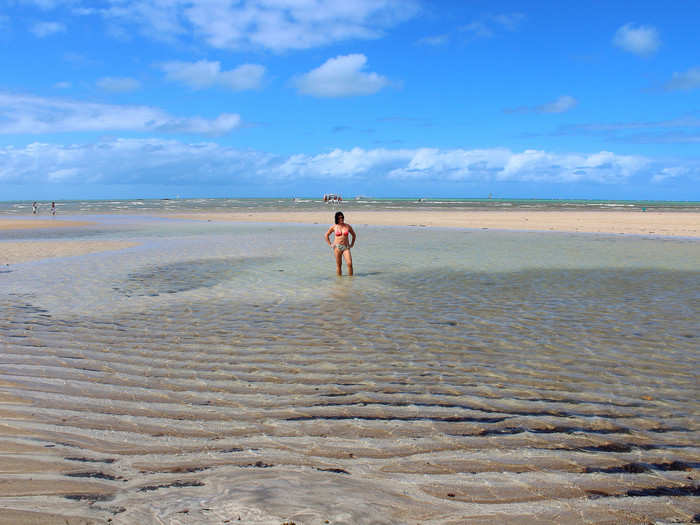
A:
[340,230]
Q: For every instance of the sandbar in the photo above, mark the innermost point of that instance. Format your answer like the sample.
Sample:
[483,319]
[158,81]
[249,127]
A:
[25,224]
[663,224]
[12,252]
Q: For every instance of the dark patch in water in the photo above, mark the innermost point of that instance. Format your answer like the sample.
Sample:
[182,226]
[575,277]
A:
[580,402]
[257,464]
[448,419]
[335,470]
[637,468]
[174,484]
[682,490]
[553,430]
[90,497]
[624,447]
[90,460]
[183,276]
[97,475]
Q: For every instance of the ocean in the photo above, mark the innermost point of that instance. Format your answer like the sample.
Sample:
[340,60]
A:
[219,372]
[148,206]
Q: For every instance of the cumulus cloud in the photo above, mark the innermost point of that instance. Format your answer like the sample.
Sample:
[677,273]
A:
[150,161]
[132,161]
[27,114]
[341,76]
[685,81]
[640,40]
[562,104]
[459,165]
[277,25]
[295,24]
[118,84]
[204,74]
[44,29]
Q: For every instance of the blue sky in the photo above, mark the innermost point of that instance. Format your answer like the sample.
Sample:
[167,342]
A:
[402,98]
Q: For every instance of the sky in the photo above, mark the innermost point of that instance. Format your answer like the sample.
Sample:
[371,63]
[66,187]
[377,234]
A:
[111,99]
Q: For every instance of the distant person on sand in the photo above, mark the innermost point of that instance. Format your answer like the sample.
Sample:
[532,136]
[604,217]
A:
[34,208]
[341,249]
[53,208]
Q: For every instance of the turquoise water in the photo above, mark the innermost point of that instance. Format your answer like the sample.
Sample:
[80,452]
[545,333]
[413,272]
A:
[146,206]
[459,374]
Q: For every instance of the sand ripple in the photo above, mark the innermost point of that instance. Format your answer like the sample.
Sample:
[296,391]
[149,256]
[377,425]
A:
[533,396]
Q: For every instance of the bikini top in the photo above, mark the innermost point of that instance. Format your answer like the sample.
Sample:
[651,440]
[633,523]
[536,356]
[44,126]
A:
[341,233]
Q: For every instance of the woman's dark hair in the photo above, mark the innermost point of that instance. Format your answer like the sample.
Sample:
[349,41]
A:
[338,215]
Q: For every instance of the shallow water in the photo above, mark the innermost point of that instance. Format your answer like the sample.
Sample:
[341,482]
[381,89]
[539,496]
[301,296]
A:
[220,371]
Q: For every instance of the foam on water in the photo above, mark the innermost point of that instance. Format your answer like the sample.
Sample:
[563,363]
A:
[221,371]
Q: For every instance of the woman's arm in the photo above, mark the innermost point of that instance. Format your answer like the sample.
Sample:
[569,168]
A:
[354,236]
[328,233]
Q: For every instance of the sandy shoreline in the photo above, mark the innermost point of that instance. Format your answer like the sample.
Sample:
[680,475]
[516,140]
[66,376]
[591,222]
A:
[675,224]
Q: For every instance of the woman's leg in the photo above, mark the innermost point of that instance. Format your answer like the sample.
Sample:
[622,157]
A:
[348,260]
[338,261]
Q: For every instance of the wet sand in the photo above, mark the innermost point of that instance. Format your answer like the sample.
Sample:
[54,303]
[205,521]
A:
[549,396]
[13,252]
[672,224]
[32,223]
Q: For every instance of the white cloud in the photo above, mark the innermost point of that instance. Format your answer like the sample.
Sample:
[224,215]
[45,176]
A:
[44,29]
[203,74]
[457,165]
[341,76]
[685,81]
[63,85]
[277,25]
[26,114]
[560,105]
[489,25]
[157,161]
[118,84]
[130,161]
[671,173]
[295,24]
[641,40]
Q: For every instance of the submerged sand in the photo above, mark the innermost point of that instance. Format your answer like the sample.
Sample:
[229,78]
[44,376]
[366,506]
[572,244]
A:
[462,408]
[662,224]
[18,251]
[13,252]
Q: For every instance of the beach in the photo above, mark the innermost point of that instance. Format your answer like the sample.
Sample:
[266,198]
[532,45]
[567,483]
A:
[481,367]
[683,224]
[662,224]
